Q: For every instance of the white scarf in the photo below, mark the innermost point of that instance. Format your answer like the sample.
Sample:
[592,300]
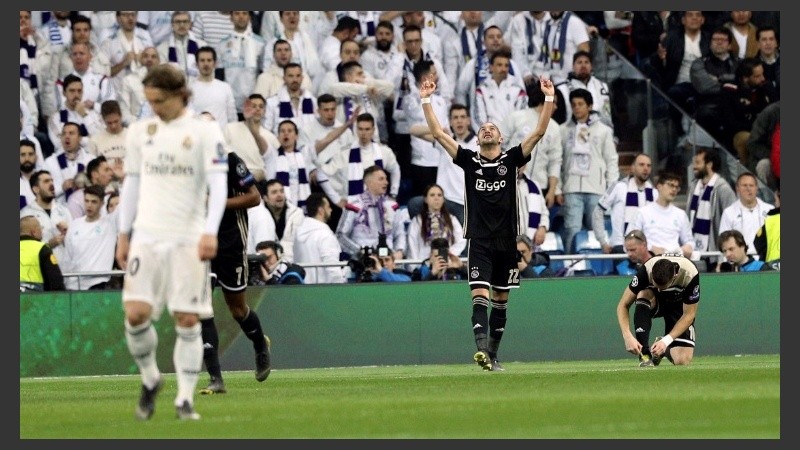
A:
[633,201]
[581,160]
[355,170]
[535,203]
[189,52]
[244,48]
[282,168]
[700,212]
[286,110]
[130,46]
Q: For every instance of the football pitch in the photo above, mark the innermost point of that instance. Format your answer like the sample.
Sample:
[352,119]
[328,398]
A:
[717,397]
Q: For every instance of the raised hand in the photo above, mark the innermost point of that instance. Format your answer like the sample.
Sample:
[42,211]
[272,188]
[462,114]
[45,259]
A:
[547,86]
[427,87]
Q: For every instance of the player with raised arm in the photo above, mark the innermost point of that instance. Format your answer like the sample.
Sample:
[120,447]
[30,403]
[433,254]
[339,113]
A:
[491,222]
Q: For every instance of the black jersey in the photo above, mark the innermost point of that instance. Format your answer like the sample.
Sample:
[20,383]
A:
[686,288]
[234,221]
[490,188]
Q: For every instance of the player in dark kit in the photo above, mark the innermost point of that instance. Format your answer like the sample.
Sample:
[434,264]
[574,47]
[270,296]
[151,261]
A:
[230,271]
[490,217]
[665,286]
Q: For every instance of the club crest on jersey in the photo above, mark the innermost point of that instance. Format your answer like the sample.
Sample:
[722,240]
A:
[187,143]
[474,273]
[151,129]
[221,154]
[502,170]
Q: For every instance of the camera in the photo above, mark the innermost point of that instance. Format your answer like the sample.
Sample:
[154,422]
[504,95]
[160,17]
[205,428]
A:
[727,267]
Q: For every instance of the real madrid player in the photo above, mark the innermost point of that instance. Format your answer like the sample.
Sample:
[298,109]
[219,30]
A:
[491,213]
[173,200]
[665,286]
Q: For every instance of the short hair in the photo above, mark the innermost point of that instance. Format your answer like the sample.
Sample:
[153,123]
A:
[746,67]
[325,98]
[281,41]
[767,28]
[96,190]
[296,130]
[409,28]
[664,270]
[581,53]
[110,107]
[485,31]
[348,41]
[385,24]
[350,66]
[737,238]
[36,175]
[71,123]
[504,52]
[80,19]
[456,107]
[581,93]
[372,169]
[746,174]
[347,23]
[275,246]
[724,30]
[209,49]
[525,240]
[292,65]
[314,202]
[421,69]
[180,13]
[257,96]
[169,79]
[365,117]
[27,143]
[270,182]
[535,95]
[665,176]
[637,235]
[439,242]
[94,164]
[710,155]
[69,79]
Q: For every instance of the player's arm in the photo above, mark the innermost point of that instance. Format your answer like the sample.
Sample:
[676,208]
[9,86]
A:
[624,319]
[530,141]
[246,200]
[427,88]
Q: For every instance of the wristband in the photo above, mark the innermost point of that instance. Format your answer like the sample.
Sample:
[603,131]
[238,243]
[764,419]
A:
[667,340]
[426,100]
[550,98]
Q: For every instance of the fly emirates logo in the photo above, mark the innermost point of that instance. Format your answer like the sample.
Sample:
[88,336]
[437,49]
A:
[483,185]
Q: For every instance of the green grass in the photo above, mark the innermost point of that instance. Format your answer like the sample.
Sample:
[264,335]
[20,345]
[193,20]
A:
[715,397]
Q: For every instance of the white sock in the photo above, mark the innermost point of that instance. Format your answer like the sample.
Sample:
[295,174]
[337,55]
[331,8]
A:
[188,360]
[142,343]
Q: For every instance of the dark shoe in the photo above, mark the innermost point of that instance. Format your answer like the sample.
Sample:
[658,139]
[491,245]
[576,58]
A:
[147,401]
[657,359]
[496,366]
[482,358]
[186,412]
[645,361]
[215,386]
[263,366]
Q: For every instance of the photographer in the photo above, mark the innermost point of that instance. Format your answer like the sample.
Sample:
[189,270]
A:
[378,265]
[268,267]
[530,264]
[441,265]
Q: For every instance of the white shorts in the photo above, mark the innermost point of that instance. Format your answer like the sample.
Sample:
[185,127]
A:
[167,273]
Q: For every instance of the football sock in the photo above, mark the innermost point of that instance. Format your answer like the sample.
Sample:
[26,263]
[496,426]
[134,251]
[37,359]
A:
[211,348]
[480,320]
[497,324]
[642,322]
[142,342]
[251,327]
[188,360]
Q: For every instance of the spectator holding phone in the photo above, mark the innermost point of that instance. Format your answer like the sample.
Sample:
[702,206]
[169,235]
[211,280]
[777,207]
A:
[442,264]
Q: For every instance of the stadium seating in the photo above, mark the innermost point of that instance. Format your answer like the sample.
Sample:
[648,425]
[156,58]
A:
[585,243]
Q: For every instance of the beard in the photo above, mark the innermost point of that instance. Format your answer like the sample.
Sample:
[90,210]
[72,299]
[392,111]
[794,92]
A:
[383,46]
[27,167]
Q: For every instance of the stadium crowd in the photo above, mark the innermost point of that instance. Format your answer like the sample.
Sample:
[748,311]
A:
[324,109]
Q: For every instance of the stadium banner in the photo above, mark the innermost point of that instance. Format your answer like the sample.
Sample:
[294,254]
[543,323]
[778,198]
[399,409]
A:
[364,324]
